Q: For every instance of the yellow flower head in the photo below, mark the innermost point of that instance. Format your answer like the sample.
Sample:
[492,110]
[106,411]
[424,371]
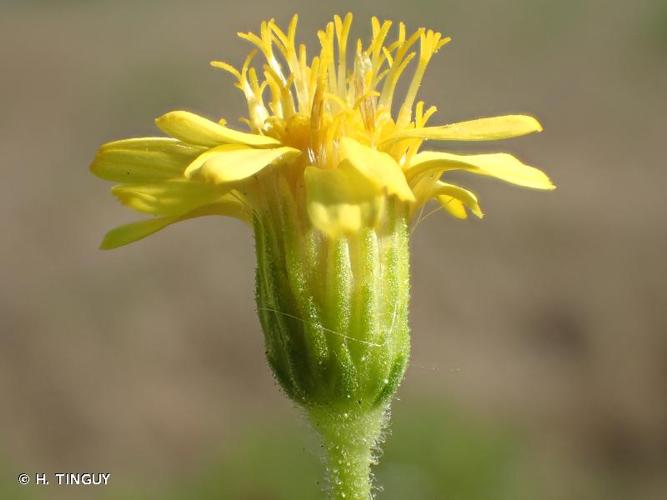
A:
[335,136]
[330,174]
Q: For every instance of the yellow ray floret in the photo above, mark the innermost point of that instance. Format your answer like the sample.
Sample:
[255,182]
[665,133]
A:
[193,129]
[378,167]
[229,163]
[500,165]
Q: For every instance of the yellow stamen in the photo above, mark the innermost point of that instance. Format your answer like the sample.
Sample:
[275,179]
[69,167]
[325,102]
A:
[336,99]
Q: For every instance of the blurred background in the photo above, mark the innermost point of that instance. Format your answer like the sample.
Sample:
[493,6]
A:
[539,365]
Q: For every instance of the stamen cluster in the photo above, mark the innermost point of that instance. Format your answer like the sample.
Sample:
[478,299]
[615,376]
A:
[311,104]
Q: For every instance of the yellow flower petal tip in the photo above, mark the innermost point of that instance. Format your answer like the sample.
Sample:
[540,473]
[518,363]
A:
[129,233]
[334,136]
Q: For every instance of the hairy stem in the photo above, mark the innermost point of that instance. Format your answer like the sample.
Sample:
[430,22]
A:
[350,440]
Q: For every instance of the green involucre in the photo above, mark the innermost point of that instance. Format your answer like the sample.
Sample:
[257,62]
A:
[334,311]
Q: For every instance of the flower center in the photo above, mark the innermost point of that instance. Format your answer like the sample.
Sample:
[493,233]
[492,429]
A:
[312,103]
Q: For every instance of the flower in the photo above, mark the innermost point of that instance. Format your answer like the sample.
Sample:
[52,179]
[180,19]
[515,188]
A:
[337,130]
[329,175]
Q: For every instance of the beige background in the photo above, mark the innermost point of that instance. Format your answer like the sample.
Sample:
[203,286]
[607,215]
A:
[549,315]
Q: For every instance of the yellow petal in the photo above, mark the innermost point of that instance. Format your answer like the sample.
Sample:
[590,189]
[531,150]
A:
[500,165]
[378,167]
[455,199]
[453,205]
[174,197]
[198,162]
[339,201]
[147,159]
[231,163]
[129,233]
[195,129]
[482,129]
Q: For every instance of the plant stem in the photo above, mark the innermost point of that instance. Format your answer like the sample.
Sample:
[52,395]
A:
[350,439]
